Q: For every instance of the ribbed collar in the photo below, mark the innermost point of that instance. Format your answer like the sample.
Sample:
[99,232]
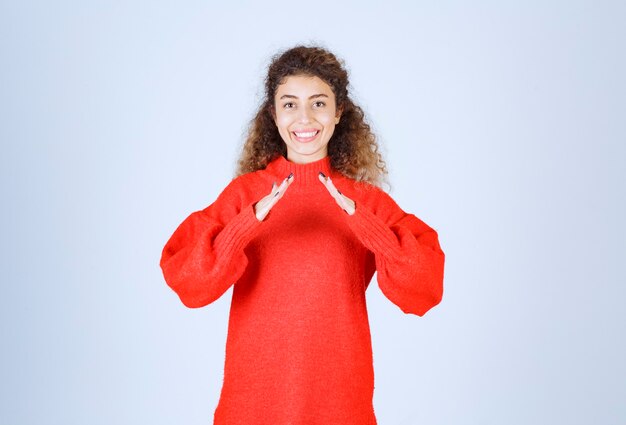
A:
[305,174]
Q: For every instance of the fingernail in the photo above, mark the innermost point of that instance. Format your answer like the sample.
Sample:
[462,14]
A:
[339,191]
[276,194]
[323,175]
[289,176]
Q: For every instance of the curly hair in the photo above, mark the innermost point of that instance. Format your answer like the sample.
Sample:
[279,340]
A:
[353,148]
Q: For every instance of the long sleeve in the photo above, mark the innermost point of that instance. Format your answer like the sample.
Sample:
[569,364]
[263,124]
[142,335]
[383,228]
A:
[205,254]
[409,260]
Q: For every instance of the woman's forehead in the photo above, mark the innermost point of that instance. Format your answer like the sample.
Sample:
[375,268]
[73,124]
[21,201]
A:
[298,85]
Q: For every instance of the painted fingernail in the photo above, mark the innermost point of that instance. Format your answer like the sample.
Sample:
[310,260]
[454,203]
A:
[289,176]
[339,191]
[276,194]
[323,175]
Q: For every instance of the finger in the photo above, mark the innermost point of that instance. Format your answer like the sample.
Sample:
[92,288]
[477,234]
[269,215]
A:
[286,181]
[274,188]
[282,187]
[323,178]
[326,180]
[284,184]
[331,186]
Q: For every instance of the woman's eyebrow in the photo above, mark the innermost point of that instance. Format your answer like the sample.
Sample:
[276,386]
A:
[295,97]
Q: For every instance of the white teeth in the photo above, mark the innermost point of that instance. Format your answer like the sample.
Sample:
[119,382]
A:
[311,134]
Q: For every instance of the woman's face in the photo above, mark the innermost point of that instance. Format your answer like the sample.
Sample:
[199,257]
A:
[306,115]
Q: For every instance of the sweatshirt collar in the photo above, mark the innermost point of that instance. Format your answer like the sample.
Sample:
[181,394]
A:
[305,174]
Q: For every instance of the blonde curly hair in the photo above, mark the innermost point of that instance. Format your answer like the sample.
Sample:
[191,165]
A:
[353,148]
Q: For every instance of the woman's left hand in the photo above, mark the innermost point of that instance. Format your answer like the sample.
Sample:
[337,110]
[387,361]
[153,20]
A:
[342,200]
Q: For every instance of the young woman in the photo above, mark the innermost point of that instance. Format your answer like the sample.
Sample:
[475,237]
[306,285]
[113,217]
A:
[299,232]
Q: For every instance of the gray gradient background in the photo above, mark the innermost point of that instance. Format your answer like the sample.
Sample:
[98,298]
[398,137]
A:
[503,127]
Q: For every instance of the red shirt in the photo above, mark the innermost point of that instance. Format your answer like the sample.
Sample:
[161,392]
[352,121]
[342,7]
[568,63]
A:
[299,349]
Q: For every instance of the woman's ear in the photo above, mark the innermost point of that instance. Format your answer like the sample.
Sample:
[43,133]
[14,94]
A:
[338,114]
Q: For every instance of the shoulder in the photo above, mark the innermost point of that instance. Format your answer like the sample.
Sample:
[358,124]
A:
[374,198]
[240,186]
[232,198]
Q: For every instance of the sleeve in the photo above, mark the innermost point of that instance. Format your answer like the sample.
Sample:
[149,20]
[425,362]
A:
[205,254]
[409,260]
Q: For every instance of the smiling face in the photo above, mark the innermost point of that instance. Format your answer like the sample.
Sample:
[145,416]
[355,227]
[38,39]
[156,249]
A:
[305,114]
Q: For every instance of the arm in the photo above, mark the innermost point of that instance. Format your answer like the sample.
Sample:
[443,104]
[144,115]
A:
[409,260]
[205,254]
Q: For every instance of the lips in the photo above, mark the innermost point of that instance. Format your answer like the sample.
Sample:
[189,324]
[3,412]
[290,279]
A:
[305,135]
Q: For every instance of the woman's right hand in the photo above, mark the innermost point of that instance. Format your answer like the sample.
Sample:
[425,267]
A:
[263,207]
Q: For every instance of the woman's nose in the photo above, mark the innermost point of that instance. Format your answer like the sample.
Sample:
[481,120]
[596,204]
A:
[304,115]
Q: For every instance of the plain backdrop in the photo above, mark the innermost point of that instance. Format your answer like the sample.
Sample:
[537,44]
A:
[503,127]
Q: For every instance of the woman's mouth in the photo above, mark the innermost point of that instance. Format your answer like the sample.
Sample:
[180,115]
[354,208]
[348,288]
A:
[305,136]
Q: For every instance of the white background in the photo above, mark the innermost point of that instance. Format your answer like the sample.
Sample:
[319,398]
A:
[502,124]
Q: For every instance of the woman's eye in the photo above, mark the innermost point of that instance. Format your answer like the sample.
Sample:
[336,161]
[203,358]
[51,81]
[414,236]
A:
[321,103]
[288,105]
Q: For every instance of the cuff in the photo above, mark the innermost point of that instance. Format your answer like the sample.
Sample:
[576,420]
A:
[373,232]
[238,232]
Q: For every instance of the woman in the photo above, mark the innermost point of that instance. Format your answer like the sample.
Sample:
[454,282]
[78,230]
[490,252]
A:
[301,254]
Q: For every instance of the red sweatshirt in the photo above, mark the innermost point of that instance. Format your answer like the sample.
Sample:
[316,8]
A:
[298,349]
